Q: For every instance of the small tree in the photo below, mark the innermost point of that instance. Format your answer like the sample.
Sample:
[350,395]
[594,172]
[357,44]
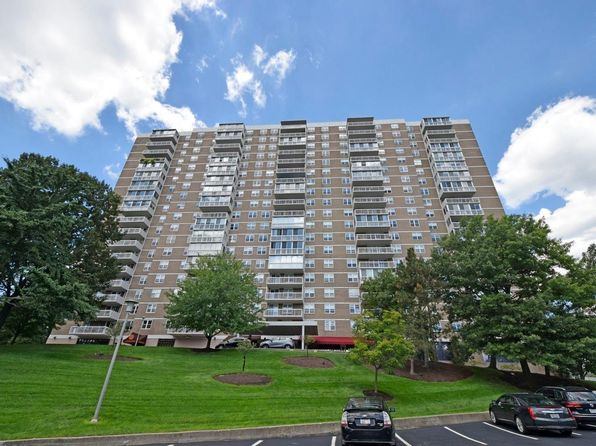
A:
[380,342]
[218,296]
[245,347]
[308,342]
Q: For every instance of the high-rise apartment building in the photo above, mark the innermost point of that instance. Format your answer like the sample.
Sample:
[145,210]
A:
[313,209]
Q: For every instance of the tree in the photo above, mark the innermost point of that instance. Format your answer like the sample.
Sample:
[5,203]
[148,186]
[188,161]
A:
[498,272]
[309,341]
[413,290]
[218,296]
[380,342]
[55,227]
[245,347]
[589,258]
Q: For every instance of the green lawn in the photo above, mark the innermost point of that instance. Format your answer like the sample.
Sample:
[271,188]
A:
[50,391]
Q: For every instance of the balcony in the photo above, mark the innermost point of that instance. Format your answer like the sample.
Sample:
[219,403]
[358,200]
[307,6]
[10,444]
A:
[110,299]
[286,251]
[286,296]
[152,166]
[369,202]
[133,233]
[159,150]
[367,178]
[224,148]
[285,282]
[90,331]
[107,315]
[126,246]
[442,133]
[372,226]
[146,210]
[286,264]
[220,171]
[118,285]
[125,272]
[373,240]
[456,208]
[217,205]
[284,163]
[165,135]
[229,138]
[288,204]
[126,258]
[362,132]
[375,253]
[210,226]
[133,222]
[297,172]
[286,191]
[368,191]
[464,191]
[220,238]
[370,148]
[282,313]
[435,122]
[291,153]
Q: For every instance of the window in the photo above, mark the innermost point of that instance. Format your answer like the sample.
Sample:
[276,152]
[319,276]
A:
[309,308]
[353,293]
[147,323]
[353,277]
[329,308]
[329,292]
[180,278]
[155,293]
[309,277]
[151,308]
[419,249]
[416,235]
[142,280]
[328,249]
[415,223]
[328,277]
[160,278]
[349,236]
[329,325]
[328,263]
[354,308]
[247,250]
[309,263]
[163,264]
[328,236]
[167,252]
[309,293]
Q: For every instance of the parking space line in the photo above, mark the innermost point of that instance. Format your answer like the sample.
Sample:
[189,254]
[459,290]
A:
[508,431]
[256,443]
[333,441]
[591,425]
[402,440]
[576,434]
[463,436]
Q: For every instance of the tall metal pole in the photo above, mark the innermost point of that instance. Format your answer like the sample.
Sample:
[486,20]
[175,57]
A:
[107,380]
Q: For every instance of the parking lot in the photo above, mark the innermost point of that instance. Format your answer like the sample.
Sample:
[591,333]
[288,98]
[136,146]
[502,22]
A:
[468,434]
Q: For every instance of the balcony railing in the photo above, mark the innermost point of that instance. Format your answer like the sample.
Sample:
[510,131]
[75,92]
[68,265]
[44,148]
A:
[282,312]
[133,222]
[108,315]
[286,251]
[90,331]
[285,281]
[126,246]
[111,299]
[283,296]
[126,257]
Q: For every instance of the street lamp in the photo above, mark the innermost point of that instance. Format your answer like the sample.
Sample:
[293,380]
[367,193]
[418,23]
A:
[109,373]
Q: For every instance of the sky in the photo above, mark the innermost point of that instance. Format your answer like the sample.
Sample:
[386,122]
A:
[78,80]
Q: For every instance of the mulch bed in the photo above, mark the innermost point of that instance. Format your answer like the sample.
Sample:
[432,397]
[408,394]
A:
[436,372]
[243,379]
[104,357]
[378,394]
[311,362]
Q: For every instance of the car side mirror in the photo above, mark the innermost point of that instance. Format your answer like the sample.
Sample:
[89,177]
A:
[392,409]
[493,402]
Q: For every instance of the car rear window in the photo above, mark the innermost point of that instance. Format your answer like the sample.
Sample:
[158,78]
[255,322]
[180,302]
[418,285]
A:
[581,396]
[364,404]
[536,400]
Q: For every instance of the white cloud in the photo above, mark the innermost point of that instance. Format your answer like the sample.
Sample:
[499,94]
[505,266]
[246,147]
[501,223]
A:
[66,60]
[555,154]
[112,171]
[280,64]
[243,81]
[258,55]
[203,64]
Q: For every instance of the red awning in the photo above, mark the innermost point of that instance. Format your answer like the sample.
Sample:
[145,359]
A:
[334,340]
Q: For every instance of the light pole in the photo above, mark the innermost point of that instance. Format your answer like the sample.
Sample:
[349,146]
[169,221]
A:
[107,380]
[139,333]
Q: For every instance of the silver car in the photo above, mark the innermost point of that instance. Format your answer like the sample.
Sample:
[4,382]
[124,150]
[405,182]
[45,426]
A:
[286,343]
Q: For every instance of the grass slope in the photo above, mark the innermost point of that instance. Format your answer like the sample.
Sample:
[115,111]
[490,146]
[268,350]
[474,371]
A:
[48,391]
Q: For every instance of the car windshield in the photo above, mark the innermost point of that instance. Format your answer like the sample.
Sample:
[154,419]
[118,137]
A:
[364,404]
[537,400]
[581,396]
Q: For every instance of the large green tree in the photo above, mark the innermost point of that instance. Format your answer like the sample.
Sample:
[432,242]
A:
[414,290]
[500,274]
[218,296]
[55,227]
[381,342]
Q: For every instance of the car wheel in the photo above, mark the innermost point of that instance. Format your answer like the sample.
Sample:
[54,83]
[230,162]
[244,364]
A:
[288,347]
[264,346]
[567,433]
[493,417]
[521,427]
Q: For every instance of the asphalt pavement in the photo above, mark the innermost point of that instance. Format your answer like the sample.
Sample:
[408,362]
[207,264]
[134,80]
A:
[468,434]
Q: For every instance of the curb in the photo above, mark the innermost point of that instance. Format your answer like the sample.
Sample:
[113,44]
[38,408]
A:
[255,433]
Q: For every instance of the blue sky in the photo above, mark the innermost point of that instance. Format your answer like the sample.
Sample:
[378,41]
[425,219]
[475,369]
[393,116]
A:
[494,62]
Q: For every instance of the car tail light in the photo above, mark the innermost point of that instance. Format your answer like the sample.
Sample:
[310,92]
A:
[386,420]
[344,419]
[532,413]
[573,405]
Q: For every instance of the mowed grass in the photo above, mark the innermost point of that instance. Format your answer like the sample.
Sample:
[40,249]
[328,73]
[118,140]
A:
[48,391]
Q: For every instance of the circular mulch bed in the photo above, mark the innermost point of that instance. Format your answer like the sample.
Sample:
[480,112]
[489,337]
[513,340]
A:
[378,394]
[243,379]
[311,362]
[104,357]
[436,372]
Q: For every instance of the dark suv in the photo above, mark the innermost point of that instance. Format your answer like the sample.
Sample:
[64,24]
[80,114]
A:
[367,420]
[579,400]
